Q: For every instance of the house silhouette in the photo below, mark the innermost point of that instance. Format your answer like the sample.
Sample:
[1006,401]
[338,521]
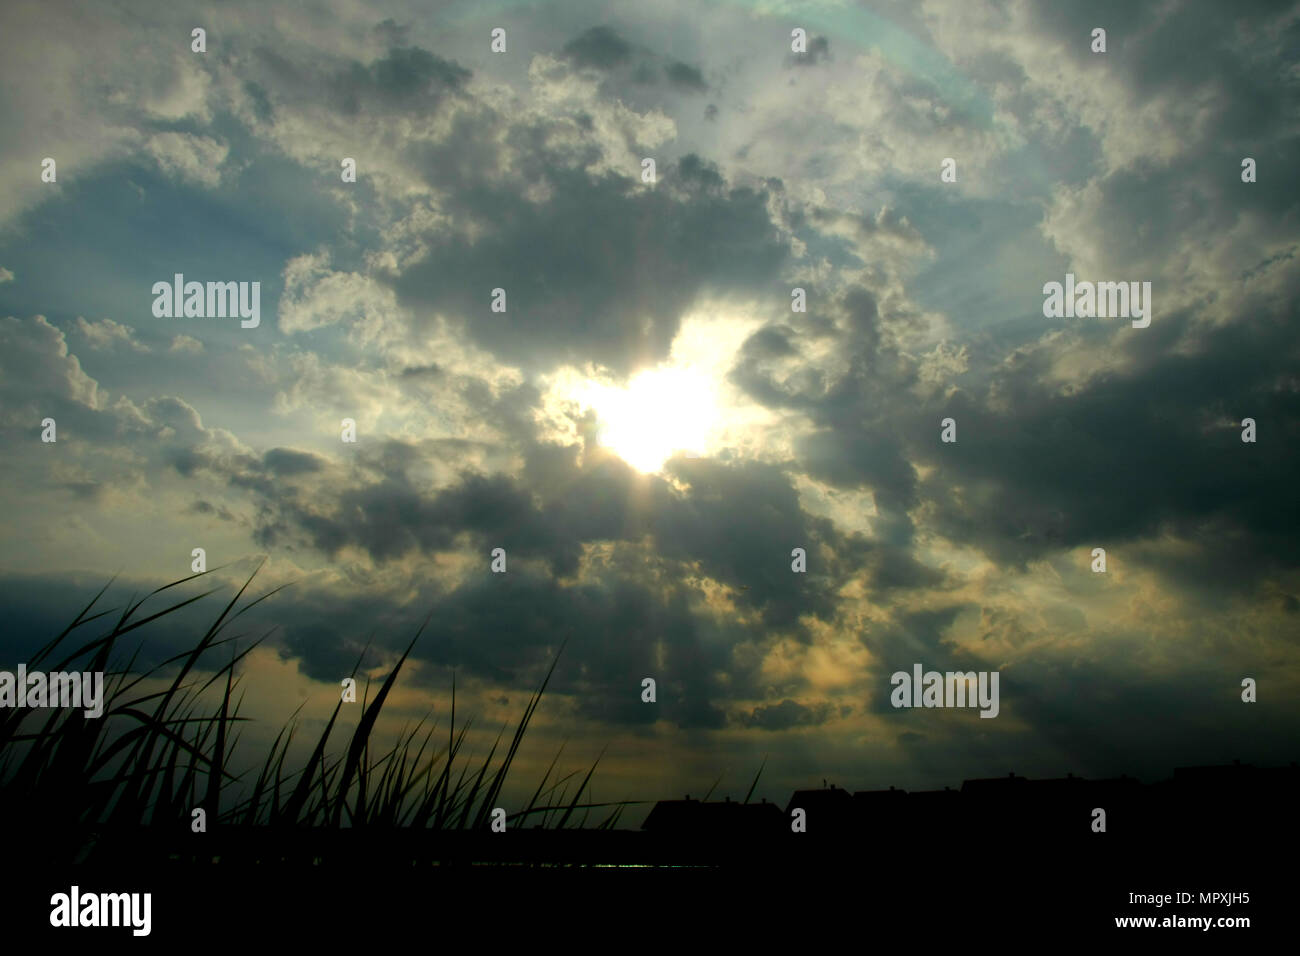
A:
[1235,799]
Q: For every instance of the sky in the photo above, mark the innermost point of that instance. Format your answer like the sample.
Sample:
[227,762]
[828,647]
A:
[645,422]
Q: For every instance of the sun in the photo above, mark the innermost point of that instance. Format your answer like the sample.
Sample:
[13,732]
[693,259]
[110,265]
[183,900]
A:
[661,412]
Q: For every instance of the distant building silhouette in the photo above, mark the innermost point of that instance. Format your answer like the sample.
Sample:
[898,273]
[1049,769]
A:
[722,818]
[1234,799]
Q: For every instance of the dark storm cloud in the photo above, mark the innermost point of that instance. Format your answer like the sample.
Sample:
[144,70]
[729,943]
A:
[608,634]
[392,33]
[284,462]
[393,518]
[860,434]
[616,633]
[603,48]
[599,47]
[602,269]
[405,80]
[742,524]
[1103,714]
[915,637]
[39,606]
[787,714]
[86,490]
[1034,468]
[738,523]
[601,266]
[1155,449]
[1151,43]
[685,77]
[772,341]
[1039,473]
[431,371]
[819,51]
[202,507]
[1043,474]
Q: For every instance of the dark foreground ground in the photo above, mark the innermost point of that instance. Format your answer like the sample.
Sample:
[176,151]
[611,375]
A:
[998,861]
[603,891]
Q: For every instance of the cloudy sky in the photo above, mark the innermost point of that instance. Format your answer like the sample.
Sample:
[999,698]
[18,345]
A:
[649,428]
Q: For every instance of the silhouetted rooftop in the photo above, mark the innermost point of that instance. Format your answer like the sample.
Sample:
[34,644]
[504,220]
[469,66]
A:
[1030,807]
[713,817]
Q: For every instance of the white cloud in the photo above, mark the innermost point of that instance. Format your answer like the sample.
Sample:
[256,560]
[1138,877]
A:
[186,344]
[105,334]
[37,366]
[77,80]
[195,159]
[316,296]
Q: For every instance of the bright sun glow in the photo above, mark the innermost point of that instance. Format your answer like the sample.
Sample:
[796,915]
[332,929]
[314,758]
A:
[660,413]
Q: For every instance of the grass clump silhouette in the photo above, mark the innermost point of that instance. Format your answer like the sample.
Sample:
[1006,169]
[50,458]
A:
[70,786]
